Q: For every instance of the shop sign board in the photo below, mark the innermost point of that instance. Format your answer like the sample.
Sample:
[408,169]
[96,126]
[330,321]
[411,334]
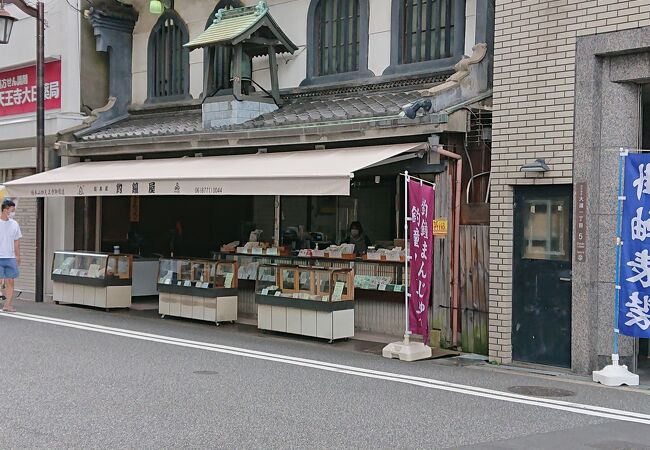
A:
[580,236]
[134,211]
[18,89]
[420,207]
[440,227]
[634,279]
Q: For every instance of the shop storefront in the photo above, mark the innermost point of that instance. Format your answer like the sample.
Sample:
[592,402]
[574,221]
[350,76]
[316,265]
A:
[251,235]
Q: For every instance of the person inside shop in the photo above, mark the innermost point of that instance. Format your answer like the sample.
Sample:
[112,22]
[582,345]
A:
[357,237]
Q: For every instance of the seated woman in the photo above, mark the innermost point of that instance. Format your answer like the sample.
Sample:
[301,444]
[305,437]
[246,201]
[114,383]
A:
[357,237]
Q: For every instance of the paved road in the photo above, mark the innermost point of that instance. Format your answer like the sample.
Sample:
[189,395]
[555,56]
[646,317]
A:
[81,378]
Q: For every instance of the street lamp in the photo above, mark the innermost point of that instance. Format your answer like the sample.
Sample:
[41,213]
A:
[6,24]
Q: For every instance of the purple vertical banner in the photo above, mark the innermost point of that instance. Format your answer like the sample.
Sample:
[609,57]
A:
[420,207]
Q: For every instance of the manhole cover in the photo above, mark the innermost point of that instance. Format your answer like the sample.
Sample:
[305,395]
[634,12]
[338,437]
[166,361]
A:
[541,391]
[206,372]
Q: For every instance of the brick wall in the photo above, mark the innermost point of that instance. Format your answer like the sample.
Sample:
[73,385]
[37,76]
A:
[534,83]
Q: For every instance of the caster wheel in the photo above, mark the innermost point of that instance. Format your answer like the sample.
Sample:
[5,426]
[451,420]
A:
[162,316]
[331,341]
[107,309]
[217,323]
[56,302]
[232,322]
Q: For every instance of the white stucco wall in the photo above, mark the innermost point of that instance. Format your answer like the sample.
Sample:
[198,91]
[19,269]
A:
[61,42]
[291,16]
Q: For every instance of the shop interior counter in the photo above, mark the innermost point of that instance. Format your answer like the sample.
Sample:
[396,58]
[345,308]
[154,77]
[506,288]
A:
[198,289]
[373,278]
[100,280]
[305,300]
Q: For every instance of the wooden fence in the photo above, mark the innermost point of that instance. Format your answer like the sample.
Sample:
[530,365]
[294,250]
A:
[474,287]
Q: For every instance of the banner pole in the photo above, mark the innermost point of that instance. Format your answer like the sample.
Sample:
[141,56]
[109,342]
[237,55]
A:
[615,374]
[617,286]
[406,257]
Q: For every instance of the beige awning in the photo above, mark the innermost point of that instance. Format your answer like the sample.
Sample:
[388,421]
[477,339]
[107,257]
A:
[313,172]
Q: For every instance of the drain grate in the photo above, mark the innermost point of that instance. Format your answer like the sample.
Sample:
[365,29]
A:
[206,372]
[541,391]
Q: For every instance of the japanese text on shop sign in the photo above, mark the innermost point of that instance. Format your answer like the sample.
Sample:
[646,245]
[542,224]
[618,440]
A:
[634,293]
[581,222]
[18,89]
[420,207]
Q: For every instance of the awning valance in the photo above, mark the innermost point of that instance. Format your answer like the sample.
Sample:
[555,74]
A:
[312,172]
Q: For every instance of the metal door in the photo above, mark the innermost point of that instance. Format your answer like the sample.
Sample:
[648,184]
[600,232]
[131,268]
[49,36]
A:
[541,310]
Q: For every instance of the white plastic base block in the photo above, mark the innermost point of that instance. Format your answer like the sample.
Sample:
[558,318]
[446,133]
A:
[407,351]
[615,375]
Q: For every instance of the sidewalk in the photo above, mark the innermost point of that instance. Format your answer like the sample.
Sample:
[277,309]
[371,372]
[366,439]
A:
[363,342]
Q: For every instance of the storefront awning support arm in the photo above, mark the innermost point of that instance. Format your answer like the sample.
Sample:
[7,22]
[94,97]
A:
[455,257]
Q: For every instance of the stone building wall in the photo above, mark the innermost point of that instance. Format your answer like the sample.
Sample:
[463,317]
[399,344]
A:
[534,116]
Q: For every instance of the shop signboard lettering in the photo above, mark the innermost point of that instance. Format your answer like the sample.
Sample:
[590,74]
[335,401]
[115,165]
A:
[420,207]
[580,236]
[440,227]
[18,89]
[634,292]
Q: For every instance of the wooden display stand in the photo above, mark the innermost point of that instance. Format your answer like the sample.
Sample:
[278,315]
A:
[316,316]
[98,293]
[212,305]
[290,315]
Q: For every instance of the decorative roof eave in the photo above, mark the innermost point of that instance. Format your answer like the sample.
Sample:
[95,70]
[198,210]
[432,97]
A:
[286,45]
[470,80]
[250,20]
[319,134]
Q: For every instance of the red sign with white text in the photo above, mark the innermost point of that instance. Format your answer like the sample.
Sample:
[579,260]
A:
[18,89]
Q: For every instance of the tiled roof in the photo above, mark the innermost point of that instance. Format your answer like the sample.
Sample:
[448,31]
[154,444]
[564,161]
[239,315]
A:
[153,124]
[312,110]
[299,109]
[228,25]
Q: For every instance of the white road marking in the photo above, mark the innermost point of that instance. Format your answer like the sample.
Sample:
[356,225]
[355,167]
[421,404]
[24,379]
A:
[578,408]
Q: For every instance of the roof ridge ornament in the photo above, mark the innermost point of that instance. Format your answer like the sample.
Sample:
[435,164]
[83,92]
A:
[261,8]
[219,15]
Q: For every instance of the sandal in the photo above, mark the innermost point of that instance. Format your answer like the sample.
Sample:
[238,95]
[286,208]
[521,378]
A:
[8,310]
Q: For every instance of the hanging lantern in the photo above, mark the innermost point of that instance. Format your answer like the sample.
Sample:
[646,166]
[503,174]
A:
[155,7]
[6,24]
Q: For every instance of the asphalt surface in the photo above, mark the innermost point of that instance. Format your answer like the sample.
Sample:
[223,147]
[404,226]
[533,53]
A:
[65,387]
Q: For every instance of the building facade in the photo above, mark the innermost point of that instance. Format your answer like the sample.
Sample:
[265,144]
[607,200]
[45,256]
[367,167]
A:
[312,75]
[67,70]
[569,89]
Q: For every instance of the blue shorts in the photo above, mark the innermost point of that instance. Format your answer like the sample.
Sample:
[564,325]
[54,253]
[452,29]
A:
[8,268]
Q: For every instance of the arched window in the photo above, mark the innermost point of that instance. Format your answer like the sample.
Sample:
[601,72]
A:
[337,40]
[168,61]
[216,59]
[427,34]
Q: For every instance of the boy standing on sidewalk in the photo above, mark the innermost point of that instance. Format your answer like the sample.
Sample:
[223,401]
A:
[9,251]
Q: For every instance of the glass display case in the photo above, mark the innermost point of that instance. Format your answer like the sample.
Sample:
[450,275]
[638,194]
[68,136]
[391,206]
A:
[305,282]
[98,269]
[198,289]
[197,273]
[306,300]
[102,280]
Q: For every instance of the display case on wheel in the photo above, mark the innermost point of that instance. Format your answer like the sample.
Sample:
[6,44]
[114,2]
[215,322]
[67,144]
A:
[198,289]
[100,280]
[311,301]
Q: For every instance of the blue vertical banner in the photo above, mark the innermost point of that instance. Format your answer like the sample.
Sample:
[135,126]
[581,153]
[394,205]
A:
[634,293]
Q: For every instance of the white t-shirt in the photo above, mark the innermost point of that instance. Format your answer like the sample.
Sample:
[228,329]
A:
[9,233]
